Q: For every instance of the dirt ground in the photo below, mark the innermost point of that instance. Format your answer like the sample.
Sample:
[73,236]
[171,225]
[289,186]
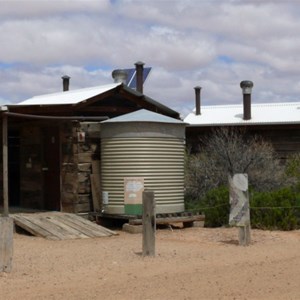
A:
[191,263]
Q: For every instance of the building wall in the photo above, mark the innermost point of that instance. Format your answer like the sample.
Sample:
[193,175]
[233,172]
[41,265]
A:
[79,158]
[80,152]
[284,138]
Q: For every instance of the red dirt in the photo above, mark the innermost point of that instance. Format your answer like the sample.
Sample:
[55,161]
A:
[191,263]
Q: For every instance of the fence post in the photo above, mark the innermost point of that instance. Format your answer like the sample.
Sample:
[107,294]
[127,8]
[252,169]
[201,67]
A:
[6,223]
[5,165]
[149,223]
[6,243]
[240,210]
[244,235]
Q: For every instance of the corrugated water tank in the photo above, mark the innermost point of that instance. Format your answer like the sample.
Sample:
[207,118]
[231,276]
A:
[142,150]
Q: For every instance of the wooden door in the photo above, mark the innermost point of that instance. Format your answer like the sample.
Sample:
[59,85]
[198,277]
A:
[14,167]
[51,168]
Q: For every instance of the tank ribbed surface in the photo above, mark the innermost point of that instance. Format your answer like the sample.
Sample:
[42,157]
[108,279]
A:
[159,161]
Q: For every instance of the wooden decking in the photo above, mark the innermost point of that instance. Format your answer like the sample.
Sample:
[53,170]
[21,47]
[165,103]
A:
[59,226]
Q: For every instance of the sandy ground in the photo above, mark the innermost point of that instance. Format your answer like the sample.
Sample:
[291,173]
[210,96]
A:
[191,263]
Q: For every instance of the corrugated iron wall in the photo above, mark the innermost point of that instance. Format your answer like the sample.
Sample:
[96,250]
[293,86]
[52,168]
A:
[159,160]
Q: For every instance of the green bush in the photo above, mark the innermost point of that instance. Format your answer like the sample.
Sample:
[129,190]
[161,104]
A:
[292,170]
[275,210]
[215,206]
[269,210]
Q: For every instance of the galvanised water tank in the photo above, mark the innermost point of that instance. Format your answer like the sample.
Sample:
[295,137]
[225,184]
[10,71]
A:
[143,145]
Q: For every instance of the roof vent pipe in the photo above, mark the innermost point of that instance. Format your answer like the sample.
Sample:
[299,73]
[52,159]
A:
[66,82]
[247,86]
[119,76]
[198,100]
[139,67]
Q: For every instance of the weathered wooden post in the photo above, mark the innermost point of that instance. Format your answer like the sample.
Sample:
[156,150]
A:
[239,207]
[6,244]
[149,223]
[6,223]
[5,165]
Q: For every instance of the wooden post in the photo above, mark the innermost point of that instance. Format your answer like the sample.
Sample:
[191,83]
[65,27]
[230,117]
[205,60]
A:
[149,223]
[6,223]
[240,211]
[6,243]
[244,231]
[244,235]
[5,166]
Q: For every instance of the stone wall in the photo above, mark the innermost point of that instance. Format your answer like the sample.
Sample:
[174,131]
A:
[80,148]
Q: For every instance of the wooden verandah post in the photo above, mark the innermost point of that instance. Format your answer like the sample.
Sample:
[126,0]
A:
[6,223]
[5,165]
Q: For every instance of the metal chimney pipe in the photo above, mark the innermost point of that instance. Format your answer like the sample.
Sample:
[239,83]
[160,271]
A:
[139,67]
[247,86]
[66,82]
[119,76]
[198,100]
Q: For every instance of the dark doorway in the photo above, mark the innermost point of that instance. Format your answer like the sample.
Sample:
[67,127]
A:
[13,142]
[51,168]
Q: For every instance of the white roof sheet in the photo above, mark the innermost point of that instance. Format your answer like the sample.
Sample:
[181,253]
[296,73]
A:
[69,97]
[268,114]
[144,115]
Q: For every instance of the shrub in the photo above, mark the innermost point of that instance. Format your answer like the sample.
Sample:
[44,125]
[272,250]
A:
[293,169]
[234,151]
[275,210]
[269,210]
[227,152]
[215,206]
[202,176]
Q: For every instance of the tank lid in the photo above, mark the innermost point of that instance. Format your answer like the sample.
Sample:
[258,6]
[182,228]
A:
[144,115]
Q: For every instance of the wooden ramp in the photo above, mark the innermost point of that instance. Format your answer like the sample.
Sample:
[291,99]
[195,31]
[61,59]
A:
[59,226]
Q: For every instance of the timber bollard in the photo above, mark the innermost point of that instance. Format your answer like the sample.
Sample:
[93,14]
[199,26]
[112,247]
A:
[6,223]
[240,211]
[244,235]
[149,223]
[6,243]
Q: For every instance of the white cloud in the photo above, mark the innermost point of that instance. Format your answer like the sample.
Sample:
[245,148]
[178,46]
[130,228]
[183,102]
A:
[22,83]
[41,8]
[214,44]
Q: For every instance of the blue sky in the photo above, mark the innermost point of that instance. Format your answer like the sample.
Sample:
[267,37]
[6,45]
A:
[211,43]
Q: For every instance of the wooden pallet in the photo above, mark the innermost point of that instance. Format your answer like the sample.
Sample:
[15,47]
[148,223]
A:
[59,226]
[164,219]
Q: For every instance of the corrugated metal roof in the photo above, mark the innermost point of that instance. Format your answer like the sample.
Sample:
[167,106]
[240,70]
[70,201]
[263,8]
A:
[143,115]
[73,97]
[261,114]
[69,97]
[154,102]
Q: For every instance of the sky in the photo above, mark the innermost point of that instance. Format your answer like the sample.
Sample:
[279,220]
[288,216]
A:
[214,44]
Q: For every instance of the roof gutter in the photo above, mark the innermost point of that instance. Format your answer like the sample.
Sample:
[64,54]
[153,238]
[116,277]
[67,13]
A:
[242,124]
[56,118]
